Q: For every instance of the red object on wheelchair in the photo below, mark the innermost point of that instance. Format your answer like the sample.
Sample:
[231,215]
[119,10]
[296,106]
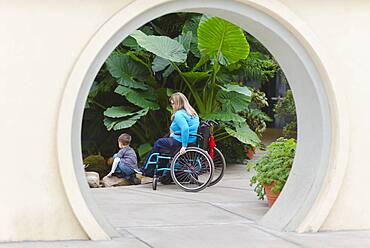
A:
[211,145]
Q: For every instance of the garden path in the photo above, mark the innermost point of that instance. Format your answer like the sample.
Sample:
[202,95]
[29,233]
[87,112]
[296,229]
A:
[225,215]
[221,216]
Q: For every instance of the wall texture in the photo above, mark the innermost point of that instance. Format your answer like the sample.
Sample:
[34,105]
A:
[342,29]
[40,44]
[41,40]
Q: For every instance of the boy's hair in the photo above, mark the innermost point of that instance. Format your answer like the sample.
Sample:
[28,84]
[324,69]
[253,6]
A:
[124,139]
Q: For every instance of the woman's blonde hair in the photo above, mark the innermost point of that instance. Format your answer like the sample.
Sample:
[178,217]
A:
[180,101]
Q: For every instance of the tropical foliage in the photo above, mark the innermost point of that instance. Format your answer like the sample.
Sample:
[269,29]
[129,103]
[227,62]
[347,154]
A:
[285,110]
[207,58]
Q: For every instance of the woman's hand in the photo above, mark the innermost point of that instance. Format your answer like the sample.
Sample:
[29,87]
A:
[182,150]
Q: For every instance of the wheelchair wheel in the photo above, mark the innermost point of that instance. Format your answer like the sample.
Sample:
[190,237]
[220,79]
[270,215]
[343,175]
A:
[220,166]
[192,171]
[154,183]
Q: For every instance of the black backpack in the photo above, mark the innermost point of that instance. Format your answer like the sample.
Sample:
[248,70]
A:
[204,130]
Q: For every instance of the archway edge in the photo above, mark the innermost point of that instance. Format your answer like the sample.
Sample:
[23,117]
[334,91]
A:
[308,217]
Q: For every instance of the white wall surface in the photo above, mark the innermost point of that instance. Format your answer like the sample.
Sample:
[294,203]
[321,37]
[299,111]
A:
[343,29]
[42,40]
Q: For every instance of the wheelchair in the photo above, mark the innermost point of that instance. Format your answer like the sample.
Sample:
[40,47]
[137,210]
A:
[192,171]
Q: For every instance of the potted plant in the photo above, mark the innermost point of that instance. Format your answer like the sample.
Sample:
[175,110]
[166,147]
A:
[273,168]
[250,151]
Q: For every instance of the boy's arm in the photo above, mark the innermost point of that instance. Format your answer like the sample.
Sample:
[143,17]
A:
[114,166]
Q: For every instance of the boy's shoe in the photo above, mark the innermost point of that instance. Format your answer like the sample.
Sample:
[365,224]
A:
[138,171]
[134,180]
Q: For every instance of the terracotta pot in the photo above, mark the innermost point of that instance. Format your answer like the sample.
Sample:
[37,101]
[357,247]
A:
[271,196]
[250,153]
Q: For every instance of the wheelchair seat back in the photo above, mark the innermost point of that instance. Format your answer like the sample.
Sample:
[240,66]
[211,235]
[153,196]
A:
[204,130]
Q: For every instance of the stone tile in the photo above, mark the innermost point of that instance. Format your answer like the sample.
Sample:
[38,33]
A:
[253,210]
[215,236]
[331,239]
[133,215]
[130,195]
[213,194]
[115,243]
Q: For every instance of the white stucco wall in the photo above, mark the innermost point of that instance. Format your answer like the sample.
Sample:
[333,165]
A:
[40,45]
[343,29]
[40,42]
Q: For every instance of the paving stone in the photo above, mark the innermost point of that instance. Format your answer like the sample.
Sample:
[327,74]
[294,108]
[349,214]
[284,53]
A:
[213,236]
[223,215]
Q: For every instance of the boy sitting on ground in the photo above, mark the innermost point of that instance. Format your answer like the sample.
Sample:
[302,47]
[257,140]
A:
[125,161]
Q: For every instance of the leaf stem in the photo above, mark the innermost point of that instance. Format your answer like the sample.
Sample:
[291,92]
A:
[197,99]
[98,104]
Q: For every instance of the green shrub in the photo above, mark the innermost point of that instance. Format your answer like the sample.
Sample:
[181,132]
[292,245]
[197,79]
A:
[285,110]
[232,150]
[274,165]
[97,164]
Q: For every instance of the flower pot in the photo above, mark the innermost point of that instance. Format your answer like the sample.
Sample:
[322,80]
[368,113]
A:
[250,152]
[271,196]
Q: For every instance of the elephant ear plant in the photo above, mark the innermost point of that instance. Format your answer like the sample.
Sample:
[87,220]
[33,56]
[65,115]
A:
[142,75]
[273,166]
[206,58]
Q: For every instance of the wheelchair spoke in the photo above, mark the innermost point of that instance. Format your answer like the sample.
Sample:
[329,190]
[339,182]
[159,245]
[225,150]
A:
[193,170]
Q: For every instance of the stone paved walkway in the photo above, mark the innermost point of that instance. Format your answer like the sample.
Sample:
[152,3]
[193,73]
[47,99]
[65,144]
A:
[221,216]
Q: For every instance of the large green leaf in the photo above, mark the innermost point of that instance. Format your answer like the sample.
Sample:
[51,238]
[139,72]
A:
[194,77]
[127,71]
[203,60]
[116,123]
[161,46]
[232,101]
[185,40]
[222,116]
[244,134]
[131,121]
[118,112]
[136,98]
[168,71]
[191,25]
[109,123]
[244,90]
[159,64]
[131,43]
[222,41]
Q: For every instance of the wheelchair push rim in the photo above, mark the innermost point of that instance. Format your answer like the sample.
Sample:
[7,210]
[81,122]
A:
[192,171]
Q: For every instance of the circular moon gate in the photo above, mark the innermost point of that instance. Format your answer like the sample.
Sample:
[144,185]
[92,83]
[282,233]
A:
[319,163]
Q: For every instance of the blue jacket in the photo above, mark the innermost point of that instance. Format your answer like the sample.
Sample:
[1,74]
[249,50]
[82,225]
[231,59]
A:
[184,124]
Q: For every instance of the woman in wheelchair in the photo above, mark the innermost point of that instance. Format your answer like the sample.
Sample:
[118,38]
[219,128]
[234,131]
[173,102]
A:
[183,131]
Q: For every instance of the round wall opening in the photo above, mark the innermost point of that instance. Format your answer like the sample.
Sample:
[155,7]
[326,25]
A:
[292,46]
